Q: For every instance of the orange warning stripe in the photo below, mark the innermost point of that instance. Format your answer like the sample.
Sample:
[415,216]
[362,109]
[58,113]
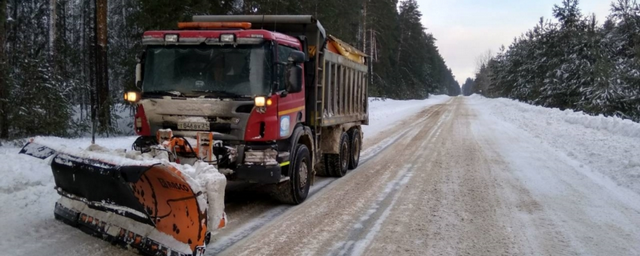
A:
[289,111]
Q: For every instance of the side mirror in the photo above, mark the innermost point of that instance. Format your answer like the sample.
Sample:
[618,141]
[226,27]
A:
[294,79]
[297,57]
[139,75]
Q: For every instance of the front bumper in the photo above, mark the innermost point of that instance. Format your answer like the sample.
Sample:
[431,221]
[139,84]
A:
[261,174]
[261,164]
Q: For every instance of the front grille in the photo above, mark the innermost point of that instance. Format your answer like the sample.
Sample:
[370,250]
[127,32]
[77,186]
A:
[261,157]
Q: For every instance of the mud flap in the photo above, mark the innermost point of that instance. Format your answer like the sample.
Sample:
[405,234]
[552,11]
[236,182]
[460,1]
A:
[153,208]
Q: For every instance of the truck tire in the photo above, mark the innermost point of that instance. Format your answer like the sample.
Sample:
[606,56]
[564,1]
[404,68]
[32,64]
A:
[296,189]
[338,164]
[356,146]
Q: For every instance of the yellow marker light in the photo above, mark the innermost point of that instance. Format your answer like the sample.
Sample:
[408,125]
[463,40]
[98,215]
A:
[131,96]
[260,101]
[269,102]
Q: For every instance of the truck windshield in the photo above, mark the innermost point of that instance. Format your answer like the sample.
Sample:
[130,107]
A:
[217,71]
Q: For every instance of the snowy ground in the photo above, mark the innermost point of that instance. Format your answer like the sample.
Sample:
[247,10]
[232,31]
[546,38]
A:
[388,113]
[27,189]
[606,146]
[465,175]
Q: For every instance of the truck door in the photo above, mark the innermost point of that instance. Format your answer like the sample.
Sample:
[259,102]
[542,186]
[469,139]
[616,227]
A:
[291,108]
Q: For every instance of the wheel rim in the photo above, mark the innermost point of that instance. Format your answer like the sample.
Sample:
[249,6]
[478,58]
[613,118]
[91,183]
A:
[343,156]
[303,173]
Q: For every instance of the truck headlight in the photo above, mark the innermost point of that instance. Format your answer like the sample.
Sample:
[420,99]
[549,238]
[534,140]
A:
[260,101]
[132,97]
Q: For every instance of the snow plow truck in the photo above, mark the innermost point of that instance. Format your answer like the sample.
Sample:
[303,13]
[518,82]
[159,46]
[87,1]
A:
[270,100]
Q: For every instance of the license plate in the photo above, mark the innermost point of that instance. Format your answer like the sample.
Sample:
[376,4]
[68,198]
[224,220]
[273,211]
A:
[194,126]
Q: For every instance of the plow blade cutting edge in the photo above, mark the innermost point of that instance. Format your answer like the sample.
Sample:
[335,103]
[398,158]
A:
[152,208]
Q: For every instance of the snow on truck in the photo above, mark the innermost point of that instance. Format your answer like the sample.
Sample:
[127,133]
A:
[271,100]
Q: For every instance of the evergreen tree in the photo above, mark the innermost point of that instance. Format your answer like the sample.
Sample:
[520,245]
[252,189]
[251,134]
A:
[383,32]
[468,87]
[574,63]
[48,54]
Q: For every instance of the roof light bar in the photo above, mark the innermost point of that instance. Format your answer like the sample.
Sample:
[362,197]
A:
[214,25]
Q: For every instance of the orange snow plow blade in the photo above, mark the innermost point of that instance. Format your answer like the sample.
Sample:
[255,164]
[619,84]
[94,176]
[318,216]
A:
[152,208]
[172,205]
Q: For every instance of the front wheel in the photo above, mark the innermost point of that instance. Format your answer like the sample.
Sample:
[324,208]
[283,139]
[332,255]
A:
[296,189]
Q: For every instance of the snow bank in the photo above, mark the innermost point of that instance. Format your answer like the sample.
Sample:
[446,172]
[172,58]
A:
[20,171]
[608,146]
[384,114]
[613,125]
[27,197]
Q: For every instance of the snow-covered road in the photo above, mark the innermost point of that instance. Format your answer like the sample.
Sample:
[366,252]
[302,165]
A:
[462,179]
[446,176]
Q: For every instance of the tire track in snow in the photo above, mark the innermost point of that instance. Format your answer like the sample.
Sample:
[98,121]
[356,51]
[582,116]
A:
[223,242]
[363,232]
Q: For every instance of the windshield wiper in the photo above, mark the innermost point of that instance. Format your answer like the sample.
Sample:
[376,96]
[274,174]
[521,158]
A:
[164,93]
[219,94]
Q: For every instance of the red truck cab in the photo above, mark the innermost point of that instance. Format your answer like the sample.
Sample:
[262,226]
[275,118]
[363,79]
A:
[258,84]
[279,101]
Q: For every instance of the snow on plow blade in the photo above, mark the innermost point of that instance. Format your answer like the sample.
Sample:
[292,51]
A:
[152,208]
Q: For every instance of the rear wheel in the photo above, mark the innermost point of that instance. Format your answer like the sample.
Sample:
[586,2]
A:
[338,164]
[356,147]
[296,189]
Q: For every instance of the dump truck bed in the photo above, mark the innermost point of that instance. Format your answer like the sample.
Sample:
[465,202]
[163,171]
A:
[343,86]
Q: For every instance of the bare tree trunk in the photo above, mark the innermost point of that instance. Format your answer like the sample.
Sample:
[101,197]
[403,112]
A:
[90,41]
[81,87]
[364,26]
[400,42]
[123,3]
[53,16]
[102,69]
[4,93]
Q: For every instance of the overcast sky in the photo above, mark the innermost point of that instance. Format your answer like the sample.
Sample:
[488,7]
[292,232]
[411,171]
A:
[465,29]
